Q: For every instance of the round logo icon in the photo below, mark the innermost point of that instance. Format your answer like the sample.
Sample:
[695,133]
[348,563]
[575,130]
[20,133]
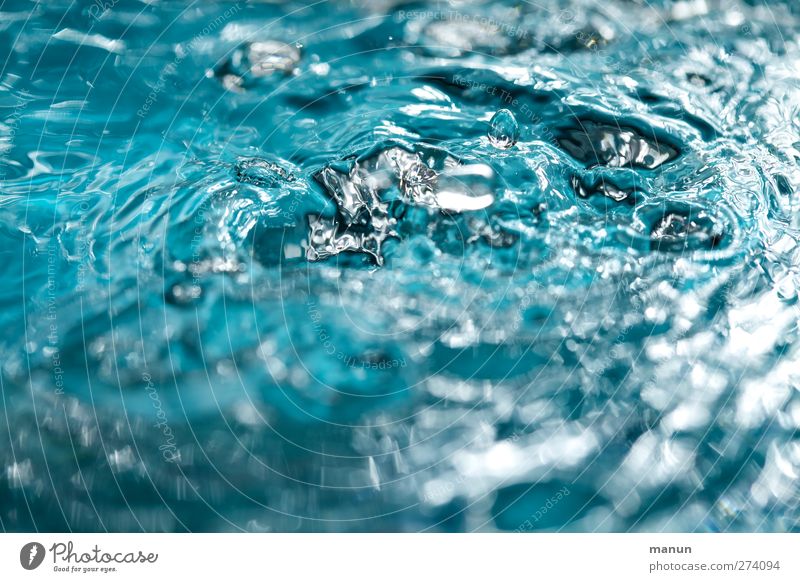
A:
[31,555]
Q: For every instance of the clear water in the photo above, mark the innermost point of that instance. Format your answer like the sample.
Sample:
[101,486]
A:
[378,266]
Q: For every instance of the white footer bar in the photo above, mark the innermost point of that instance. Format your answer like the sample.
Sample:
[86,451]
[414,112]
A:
[401,557]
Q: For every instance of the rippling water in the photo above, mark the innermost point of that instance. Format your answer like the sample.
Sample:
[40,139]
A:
[400,266]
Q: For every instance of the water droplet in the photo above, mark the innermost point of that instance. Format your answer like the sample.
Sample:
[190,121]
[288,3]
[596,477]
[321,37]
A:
[504,130]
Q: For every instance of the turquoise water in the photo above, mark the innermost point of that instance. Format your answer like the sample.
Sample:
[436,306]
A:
[386,266]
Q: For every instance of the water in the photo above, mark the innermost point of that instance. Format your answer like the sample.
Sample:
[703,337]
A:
[400,267]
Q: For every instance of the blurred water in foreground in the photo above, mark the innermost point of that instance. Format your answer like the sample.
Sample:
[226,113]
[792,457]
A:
[390,266]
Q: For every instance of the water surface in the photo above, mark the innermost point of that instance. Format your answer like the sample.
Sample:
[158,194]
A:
[384,266]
